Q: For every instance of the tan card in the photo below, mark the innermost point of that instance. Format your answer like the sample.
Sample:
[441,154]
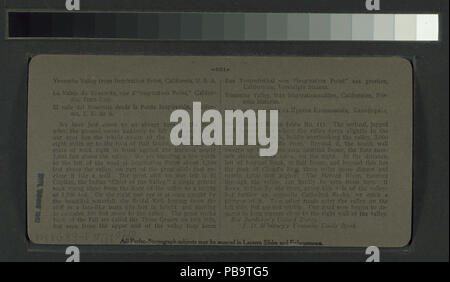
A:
[244,151]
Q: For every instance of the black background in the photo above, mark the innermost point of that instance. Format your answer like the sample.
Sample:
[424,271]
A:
[430,235]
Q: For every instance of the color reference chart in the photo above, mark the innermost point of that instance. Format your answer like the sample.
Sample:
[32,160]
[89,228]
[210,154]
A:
[225,26]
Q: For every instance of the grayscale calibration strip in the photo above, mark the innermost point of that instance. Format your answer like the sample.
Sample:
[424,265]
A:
[225,26]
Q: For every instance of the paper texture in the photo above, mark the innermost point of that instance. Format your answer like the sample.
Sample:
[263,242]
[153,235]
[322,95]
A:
[102,168]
